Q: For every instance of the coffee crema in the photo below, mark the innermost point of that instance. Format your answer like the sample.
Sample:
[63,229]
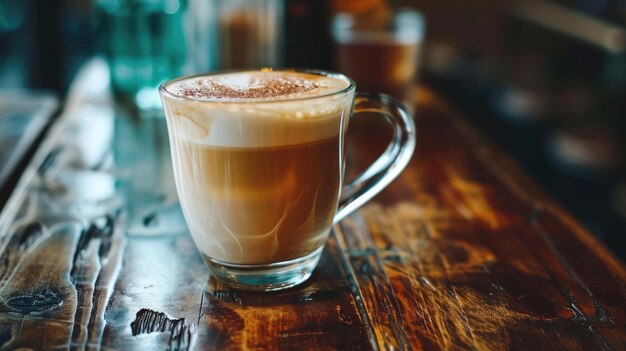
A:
[258,170]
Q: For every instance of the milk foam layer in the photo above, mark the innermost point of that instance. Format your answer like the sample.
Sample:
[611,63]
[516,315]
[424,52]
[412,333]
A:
[284,118]
[256,86]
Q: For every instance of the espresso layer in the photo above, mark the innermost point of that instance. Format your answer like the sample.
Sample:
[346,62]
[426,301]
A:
[258,205]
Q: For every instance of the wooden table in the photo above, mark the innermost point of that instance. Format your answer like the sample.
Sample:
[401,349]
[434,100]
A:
[463,251]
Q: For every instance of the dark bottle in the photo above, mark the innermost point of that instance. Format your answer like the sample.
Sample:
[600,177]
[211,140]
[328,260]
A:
[308,43]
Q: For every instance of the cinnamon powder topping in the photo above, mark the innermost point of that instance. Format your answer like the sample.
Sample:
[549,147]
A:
[237,86]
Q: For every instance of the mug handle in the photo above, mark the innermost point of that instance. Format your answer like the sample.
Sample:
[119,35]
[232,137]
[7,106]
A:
[392,161]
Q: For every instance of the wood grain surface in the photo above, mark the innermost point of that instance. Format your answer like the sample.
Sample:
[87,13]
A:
[463,251]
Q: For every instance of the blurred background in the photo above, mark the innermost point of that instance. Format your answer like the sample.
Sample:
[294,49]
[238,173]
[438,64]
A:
[545,79]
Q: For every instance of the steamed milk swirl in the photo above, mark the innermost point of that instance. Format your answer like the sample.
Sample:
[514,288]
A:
[256,161]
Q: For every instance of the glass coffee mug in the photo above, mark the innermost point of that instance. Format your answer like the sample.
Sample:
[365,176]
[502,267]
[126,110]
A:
[259,159]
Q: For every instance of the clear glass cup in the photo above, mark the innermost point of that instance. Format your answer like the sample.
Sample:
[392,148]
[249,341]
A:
[261,186]
[380,51]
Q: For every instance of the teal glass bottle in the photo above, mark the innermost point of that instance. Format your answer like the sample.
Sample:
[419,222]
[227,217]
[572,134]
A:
[144,43]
